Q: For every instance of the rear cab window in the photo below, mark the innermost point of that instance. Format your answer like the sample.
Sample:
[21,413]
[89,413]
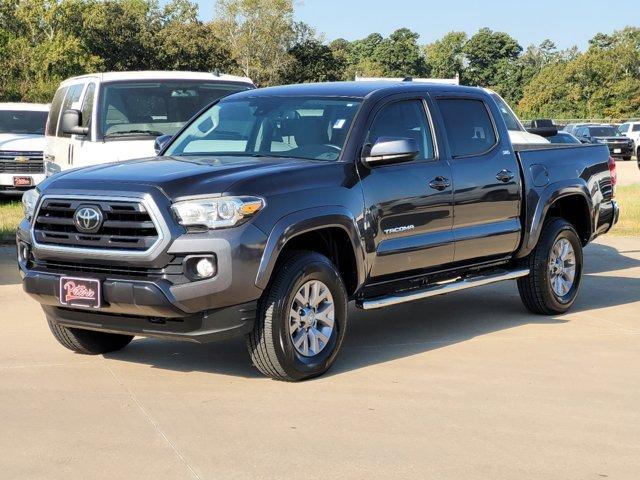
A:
[468,126]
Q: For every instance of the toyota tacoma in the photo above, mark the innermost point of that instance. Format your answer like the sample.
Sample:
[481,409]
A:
[273,208]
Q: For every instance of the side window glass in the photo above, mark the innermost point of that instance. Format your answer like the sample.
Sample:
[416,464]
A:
[468,126]
[405,119]
[54,112]
[87,105]
[73,95]
[636,128]
[624,128]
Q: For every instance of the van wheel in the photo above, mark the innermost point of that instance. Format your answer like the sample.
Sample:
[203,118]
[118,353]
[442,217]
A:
[301,319]
[556,270]
[88,342]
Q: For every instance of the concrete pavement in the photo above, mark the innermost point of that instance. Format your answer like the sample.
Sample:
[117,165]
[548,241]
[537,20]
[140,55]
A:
[466,386]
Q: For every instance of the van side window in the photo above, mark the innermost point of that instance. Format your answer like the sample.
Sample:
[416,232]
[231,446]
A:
[405,119]
[468,125]
[73,95]
[87,105]
[54,113]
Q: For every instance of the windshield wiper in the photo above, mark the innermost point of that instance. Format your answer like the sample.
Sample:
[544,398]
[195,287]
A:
[155,133]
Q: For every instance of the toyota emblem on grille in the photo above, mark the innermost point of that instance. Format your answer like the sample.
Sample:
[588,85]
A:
[88,219]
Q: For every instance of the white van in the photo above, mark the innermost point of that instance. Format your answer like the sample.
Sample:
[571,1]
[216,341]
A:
[109,117]
[21,146]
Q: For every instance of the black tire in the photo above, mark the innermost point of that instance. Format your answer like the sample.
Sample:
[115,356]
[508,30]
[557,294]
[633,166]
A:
[535,289]
[627,158]
[88,342]
[270,345]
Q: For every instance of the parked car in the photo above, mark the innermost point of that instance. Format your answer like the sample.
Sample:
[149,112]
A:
[273,208]
[563,137]
[619,145]
[571,127]
[109,117]
[632,131]
[21,146]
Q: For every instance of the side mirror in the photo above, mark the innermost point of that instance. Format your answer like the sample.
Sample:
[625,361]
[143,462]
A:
[71,123]
[389,150]
[161,142]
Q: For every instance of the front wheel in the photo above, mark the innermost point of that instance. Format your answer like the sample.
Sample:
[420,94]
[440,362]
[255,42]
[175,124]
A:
[556,270]
[627,158]
[301,319]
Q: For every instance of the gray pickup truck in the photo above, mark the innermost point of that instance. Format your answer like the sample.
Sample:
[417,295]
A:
[273,208]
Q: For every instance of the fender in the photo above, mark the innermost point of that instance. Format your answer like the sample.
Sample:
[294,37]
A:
[538,203]
[303,221]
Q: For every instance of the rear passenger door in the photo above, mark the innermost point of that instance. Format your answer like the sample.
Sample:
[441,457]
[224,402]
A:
[409,220]
[486,181]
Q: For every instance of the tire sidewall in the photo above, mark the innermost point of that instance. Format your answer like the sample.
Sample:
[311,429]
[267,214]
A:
[311,267]
[560,229]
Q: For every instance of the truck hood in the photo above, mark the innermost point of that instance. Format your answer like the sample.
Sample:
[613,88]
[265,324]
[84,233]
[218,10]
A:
[21,142]
[174,176]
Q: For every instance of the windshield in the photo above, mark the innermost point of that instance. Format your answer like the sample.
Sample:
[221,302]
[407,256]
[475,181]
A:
[510,119]
[301,127]
[23,122]
[603,132]
[153,108]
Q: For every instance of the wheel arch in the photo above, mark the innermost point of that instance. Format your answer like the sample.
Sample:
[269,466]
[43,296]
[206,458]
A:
[568,200]
[331,231]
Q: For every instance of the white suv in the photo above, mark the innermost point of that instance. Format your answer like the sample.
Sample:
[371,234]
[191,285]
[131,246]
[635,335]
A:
[21,146]
[115,116]
[632,131]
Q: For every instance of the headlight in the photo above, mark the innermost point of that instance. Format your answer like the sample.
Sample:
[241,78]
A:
[216,212]
[29,201]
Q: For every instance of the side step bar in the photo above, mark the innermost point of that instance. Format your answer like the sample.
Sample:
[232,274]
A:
[442,288]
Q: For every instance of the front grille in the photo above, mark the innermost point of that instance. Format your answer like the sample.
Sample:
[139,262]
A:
[21,162]
[126,225]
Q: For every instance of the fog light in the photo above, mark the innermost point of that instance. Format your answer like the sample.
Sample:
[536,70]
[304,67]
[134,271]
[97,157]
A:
[205,268]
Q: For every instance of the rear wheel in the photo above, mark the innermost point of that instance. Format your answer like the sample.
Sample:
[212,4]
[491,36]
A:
[88,342]
[556,270]
[301,320]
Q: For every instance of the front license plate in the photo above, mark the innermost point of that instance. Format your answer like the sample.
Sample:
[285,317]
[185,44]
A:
[617,150]
[22,181]
[80,292]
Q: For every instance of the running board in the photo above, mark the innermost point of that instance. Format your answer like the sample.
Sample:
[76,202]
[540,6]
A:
[441,289]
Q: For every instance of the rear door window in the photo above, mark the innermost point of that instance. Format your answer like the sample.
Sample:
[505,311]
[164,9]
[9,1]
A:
[468,125]
[73,95]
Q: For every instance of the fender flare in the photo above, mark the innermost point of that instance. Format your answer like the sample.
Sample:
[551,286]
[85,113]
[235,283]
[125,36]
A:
[304,221]
[534,218]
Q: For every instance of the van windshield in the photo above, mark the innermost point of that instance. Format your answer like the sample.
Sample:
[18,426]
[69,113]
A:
[130,110]
[312,128]
[24,122]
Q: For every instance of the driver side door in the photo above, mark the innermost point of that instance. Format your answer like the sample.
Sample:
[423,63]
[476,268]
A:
[408,206]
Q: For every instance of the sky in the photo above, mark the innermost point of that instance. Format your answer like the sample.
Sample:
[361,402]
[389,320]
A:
[567,23]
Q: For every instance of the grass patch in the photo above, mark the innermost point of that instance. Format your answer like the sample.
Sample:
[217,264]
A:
[10,216]
[628,197]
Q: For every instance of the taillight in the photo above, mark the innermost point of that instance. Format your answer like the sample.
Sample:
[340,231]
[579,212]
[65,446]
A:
[614,175]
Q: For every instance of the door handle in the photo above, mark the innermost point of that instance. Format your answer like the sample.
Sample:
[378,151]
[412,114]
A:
[440,183]
[505,176]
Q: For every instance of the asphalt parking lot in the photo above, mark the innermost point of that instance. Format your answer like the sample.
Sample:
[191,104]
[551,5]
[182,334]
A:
[463,386]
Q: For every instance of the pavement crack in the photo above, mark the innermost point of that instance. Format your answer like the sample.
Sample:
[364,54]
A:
[154,423]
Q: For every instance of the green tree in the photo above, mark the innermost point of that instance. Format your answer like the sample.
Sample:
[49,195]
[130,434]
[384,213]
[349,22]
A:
[445,56]
[312,61]
[259,33]
[399,55]
[485,52]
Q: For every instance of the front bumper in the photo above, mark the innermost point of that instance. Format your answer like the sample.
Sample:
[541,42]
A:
[147,296]
[625,150]
[7,187]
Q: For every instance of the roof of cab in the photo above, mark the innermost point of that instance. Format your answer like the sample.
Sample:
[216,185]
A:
[28,107]
[353,89]
[159,75]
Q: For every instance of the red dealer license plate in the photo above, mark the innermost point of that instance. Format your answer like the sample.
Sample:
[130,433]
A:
[22,181]
[80,292]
